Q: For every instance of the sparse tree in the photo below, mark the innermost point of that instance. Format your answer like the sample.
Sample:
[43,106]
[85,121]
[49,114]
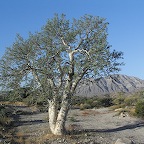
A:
[55,59]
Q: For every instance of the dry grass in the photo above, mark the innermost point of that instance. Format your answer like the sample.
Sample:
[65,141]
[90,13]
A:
[19,138]
[116,107]
[89,112]
[51,137]
[129,109]
[22,138]
[6,120]
[132,111]
[33,108]
[13,103]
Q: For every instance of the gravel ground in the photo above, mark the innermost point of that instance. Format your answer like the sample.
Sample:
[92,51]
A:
[95,126]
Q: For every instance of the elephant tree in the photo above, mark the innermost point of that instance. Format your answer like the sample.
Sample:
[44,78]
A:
[55,59]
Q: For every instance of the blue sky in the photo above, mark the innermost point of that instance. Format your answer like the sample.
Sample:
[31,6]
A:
[126,28]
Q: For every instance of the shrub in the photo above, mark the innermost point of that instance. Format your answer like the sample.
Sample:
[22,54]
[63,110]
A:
[106,102]
[130,101]
[30,100]
[119,100]
[139,109]
[5,116]
[85,106]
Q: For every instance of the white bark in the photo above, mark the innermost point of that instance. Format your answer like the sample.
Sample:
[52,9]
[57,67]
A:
[52,115]
[61,119]
[57,119]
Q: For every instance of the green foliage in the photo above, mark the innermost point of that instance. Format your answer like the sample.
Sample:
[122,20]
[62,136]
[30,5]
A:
[119,100]
[131,101]
[12,96]
[106,102]
[30,100]
[139,109]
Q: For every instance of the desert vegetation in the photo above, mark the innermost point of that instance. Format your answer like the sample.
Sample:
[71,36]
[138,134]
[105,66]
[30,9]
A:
[131,104]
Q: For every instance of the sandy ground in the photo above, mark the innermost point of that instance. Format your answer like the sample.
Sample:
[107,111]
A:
[110,125]
[95,126]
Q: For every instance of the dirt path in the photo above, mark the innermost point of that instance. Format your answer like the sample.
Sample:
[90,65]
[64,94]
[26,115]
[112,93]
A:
[89,127]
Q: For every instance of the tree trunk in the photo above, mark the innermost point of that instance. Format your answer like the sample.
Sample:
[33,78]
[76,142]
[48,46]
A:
[52,115]
[57,119]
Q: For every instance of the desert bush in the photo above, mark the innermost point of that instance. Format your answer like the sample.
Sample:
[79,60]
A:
[85,106]
[106,102]
[131,101]
[139,109]
[30,100]
[132,111]
[12,96]
[93,102]
[89,101]
[96,104]
[119,100]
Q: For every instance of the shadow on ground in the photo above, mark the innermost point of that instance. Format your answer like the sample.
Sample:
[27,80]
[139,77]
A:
[122,128]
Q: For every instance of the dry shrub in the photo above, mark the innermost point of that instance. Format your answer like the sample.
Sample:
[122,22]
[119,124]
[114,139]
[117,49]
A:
[85,106]
[132,111]
[13,103]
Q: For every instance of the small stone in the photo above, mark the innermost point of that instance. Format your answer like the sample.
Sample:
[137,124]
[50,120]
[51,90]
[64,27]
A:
[123,141]
[92,142]
[119,141]
[86,134]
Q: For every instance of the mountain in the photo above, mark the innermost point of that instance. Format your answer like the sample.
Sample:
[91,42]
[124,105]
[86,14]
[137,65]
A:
[109,85]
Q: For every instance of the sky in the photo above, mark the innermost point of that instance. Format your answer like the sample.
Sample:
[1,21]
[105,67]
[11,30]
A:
[125,29]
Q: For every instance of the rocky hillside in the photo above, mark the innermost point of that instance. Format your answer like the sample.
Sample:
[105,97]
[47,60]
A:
[108,85]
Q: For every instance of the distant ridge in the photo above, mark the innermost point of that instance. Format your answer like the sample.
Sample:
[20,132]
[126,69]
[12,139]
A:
[108,85]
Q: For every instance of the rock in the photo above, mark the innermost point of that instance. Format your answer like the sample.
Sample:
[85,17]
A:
[123,114]
[123,141]
[92,142]
[119,141]
[119,109]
